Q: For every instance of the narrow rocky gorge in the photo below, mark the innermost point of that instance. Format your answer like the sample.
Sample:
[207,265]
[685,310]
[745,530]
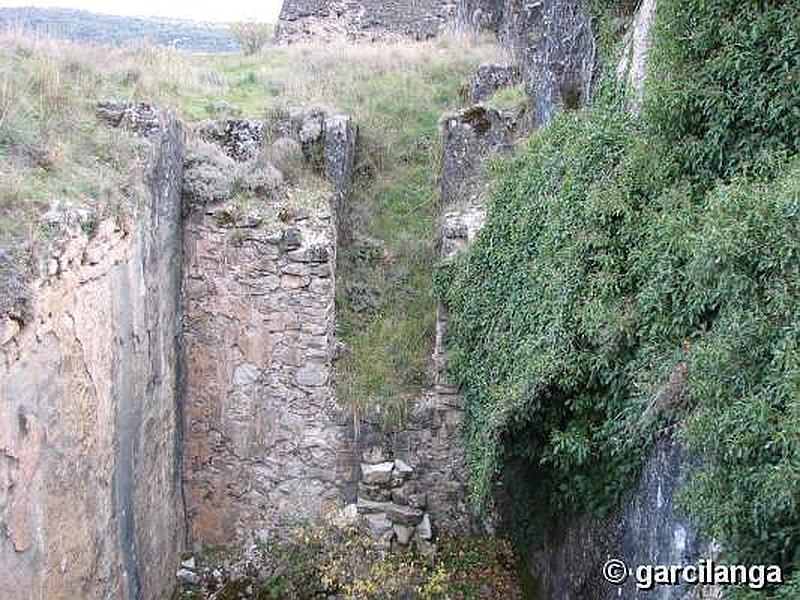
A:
[182,366]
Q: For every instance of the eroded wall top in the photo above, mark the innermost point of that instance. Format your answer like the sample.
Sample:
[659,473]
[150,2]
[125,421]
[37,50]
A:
[367,19]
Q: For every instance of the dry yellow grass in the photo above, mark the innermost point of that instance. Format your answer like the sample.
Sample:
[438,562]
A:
[48,89]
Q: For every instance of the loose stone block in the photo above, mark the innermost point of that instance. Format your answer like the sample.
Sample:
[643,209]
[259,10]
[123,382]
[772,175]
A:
[404,515]
[377,474]
[367,507]
[425,528]
[374,493]
[402,468]
[403,533]
[312,375]
[379,524]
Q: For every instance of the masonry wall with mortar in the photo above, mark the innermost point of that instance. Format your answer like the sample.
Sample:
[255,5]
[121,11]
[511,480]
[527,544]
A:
[364,20]
[266,443]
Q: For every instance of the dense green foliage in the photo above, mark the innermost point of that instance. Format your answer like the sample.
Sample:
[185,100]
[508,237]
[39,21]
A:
[726,99]
[621,255]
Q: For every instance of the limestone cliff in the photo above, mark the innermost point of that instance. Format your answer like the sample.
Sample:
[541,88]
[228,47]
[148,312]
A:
[553,42]
[90,436]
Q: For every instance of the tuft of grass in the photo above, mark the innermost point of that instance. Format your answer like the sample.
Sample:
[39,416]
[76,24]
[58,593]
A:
[509,98]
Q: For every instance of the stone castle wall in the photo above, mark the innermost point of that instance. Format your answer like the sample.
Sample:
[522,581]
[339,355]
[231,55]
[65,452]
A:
[368,20]
[265,440]
[90,499]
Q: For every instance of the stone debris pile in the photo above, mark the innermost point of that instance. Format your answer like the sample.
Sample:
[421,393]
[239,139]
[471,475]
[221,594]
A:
[394,504]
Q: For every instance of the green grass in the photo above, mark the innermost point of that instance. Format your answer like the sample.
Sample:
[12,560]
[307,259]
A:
[395,92]
[51,146]
[509,98]
[390,342]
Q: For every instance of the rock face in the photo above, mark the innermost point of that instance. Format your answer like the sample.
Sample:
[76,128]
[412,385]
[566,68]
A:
[554,44]
[90,501]
[369,20]
[265,441]
[632,67]
[469,138]
[648,529]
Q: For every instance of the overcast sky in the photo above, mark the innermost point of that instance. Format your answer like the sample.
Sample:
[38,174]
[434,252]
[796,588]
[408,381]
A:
[198,10]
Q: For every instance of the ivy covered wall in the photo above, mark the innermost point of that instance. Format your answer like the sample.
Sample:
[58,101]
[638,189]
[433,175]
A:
[626,256]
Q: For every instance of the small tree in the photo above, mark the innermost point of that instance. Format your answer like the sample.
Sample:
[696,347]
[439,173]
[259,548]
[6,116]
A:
[252,37]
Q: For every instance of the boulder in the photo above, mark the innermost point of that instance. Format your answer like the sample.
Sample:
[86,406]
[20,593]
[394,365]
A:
[139,117]
[240,139]
[488,79]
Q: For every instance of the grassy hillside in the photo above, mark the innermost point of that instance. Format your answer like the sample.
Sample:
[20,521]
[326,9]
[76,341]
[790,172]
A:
[624,254]
[54,150]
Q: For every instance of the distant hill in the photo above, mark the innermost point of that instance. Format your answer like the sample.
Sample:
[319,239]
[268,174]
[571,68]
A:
[84,26]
